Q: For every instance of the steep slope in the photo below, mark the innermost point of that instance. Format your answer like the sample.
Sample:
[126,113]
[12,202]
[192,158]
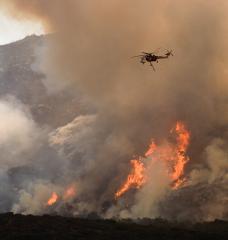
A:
[19,79]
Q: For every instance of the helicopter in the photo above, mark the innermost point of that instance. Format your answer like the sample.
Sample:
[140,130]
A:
[151,57]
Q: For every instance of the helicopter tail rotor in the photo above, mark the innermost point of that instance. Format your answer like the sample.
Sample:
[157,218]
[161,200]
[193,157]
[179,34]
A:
[169,53]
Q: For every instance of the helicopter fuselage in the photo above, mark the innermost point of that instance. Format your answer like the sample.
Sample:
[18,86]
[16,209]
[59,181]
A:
[151,58]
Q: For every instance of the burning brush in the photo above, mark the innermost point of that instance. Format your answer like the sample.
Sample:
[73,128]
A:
[172,154]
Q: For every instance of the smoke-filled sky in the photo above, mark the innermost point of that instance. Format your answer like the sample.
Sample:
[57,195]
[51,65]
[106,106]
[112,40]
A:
[91,52]
[13,29]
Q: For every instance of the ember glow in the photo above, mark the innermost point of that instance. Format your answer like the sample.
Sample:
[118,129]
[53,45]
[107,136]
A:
[173,154]
[69,193]
[53,199]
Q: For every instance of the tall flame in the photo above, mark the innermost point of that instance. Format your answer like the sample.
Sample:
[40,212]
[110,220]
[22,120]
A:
[183,138]
[53,199]
[172,154]
[135,179]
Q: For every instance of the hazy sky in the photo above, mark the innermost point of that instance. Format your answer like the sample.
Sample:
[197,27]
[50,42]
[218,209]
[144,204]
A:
[12,30]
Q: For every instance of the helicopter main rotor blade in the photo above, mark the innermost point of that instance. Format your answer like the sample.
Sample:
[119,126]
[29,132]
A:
[145,53]
[138,56]
[156,50]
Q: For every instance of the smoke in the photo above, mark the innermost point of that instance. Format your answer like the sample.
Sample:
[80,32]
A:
[19,141]
[18,133]
[91,52]
[34,200]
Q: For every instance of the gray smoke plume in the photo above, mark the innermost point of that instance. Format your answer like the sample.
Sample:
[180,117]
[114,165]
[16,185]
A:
[91,51]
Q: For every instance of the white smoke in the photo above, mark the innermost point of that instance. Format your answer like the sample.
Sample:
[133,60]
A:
[34,200]
[19,134]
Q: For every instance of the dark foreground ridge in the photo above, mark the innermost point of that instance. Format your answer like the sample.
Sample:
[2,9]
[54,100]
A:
[57,227]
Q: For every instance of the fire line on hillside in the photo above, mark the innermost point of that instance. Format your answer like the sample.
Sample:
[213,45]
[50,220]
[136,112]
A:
[172,154]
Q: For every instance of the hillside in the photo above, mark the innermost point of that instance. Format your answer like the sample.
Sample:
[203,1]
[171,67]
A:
[20,79]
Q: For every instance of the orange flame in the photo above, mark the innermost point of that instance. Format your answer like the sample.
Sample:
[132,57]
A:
[174,156]
[183,138]
[53,199]
[135,178]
